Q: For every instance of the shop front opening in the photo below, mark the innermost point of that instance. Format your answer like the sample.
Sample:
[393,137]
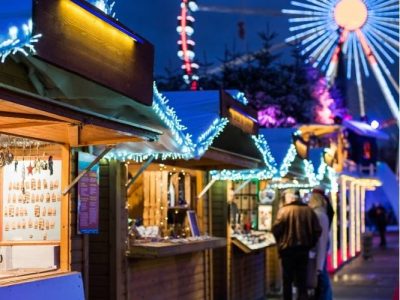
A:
[31,206]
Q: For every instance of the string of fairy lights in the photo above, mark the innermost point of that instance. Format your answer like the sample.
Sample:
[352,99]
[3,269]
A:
[19,40]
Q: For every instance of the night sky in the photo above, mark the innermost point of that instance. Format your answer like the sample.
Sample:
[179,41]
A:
[156,21]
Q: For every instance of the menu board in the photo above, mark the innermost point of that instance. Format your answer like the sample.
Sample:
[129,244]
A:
[31,203]
[88,195]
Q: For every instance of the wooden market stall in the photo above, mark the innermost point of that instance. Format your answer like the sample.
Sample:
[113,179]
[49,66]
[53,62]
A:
[165,259]
[37,166]
[53,108]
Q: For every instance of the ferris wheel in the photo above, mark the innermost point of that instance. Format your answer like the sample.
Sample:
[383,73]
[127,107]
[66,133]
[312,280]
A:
[366,31]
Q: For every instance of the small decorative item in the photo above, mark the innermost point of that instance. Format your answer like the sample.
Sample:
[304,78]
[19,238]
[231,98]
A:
[29,169]
[51,164]
[265,217]
[194,227]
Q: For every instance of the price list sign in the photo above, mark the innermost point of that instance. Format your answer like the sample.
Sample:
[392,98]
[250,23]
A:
[88,196]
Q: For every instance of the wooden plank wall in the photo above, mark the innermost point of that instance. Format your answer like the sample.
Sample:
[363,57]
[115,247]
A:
[236,275]
[169,278]
[77,253]
[99,244]
[247,275]
[219,215]
[273,271]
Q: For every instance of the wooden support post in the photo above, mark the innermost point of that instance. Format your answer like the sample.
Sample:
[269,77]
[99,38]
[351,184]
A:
[87,169]
[208,186]
[141,170]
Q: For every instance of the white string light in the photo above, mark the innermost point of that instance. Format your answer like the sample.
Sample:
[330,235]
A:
[19,40]
[260,174]
[262,146]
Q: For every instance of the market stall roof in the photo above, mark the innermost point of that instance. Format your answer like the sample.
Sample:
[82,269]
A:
[199,131]
[26,114]
[216,137]
[40,78]
[365,129]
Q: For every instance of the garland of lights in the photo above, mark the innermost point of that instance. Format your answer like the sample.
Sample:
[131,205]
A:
[259,174]
[20,40]
[240,97]
[321,170]
[207,138]
[333,179]
[291,185]
[310,174]
[186,45]
[168,115]
[287,161]
[105,6]
[262,146]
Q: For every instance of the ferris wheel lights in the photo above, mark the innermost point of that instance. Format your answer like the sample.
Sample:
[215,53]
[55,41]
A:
[186,45]
[192,65]
[193,5]
[375,124]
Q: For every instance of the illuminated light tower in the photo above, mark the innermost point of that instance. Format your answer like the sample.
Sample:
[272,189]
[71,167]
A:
[186,45]
[366,31]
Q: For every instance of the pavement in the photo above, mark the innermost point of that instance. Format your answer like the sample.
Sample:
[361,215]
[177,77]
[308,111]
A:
[373,279]
[376,278]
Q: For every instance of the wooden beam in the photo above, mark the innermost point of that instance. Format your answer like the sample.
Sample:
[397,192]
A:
[27,124]
[115,140]
[73,135]
[87,169]
[15,115]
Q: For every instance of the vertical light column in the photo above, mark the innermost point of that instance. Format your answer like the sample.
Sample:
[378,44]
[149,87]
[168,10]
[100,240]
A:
[358,216]
[334,230]
[362,209]
[334,233]
[343,219]
[352,203]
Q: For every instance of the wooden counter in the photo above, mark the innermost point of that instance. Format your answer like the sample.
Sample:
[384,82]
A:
[162,249]
[250,248]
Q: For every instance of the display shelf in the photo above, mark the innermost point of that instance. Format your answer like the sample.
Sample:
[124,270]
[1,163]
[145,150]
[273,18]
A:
[176,247]
[179,207]
[247,246]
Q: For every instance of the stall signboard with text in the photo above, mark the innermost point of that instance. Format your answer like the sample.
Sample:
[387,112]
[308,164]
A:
[88,196]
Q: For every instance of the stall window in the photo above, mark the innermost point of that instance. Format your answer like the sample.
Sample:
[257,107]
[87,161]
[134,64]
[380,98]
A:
[30,189]
[160,201]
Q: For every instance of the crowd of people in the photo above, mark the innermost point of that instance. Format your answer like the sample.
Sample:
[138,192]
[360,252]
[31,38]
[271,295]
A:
[302,234]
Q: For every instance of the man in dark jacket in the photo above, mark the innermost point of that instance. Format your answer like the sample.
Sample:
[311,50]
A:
[296,230]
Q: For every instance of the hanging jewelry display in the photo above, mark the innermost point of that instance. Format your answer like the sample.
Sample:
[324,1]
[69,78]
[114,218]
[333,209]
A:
[30,167]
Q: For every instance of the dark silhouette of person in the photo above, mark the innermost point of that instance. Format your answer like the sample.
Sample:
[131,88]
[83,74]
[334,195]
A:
[377,215]
[296,230]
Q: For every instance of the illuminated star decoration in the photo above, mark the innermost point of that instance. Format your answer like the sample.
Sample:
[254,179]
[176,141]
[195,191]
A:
[366,31]
[19,40]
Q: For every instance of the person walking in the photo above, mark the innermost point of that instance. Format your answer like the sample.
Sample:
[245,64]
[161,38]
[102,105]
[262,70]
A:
[319,205]
[296,230]
[377,215]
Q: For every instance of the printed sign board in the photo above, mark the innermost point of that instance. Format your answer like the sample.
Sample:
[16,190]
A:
[88,196]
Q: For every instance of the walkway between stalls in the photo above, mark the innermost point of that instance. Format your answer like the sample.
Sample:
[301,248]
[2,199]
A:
[374,279]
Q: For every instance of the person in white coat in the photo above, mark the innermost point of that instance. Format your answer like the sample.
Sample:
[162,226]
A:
[318,204]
